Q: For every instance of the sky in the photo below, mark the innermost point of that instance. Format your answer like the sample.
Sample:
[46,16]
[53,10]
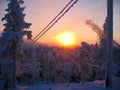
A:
[41,12]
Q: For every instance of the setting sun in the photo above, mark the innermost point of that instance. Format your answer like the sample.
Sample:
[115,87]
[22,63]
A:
[66,39]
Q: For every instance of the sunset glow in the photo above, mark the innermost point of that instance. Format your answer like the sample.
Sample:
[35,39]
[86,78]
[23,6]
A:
[43,11]
[66,39]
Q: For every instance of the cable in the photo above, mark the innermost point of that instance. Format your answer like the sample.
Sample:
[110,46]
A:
[54,18]
[55,21]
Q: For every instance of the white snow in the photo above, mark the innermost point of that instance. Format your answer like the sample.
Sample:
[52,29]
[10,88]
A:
[96,85]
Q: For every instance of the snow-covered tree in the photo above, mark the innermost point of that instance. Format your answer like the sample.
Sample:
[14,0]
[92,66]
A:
[85,61]
[12,36]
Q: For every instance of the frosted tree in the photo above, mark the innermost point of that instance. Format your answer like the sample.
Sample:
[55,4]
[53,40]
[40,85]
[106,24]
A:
[85,64]
[49,67]
[12,36]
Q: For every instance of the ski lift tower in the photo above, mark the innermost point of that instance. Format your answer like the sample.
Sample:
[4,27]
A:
[108,29]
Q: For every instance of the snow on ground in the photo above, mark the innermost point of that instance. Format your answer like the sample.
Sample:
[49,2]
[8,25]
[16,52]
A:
[96,85]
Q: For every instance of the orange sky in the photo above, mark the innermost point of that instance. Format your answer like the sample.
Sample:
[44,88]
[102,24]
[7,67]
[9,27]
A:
[41,12]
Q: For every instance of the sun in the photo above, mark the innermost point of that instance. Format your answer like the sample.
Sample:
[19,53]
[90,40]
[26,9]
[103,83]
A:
[66,39]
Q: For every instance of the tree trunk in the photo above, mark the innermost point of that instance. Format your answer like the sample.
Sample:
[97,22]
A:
[14,67]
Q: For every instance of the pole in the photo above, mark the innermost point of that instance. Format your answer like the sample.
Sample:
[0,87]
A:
[109,46]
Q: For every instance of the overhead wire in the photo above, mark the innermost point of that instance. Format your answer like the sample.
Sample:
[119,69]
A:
[55,20]
[49,25]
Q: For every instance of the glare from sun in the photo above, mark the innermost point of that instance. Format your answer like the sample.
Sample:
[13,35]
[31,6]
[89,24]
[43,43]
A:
[66,39]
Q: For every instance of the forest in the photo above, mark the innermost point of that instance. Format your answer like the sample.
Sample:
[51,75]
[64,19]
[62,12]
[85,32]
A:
[59,64]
